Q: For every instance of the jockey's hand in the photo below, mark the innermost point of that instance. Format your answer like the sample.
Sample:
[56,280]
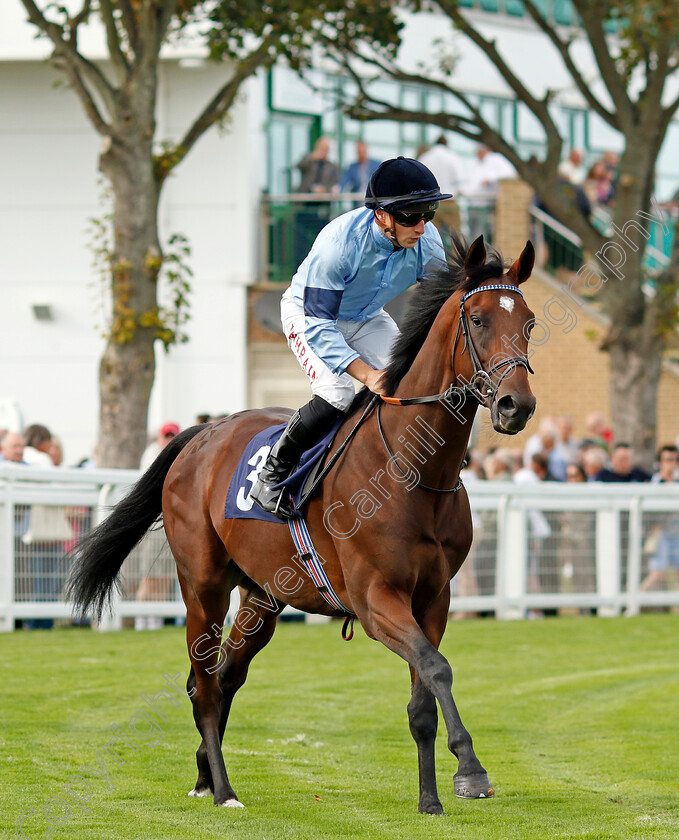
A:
[375,381]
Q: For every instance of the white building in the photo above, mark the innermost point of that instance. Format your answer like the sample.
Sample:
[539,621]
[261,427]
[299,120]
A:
[49,342]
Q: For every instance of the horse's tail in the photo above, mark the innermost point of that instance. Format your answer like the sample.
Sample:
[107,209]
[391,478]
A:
[97,558]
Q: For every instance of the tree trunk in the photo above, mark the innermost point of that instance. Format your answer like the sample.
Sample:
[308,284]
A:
[634,382]
[634,342]
[126,376]
[128,365]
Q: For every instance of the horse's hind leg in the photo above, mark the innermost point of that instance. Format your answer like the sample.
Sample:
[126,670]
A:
[423,720]
[252,629]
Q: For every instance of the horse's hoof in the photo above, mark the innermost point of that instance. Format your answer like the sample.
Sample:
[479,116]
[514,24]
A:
[232,803]
[200,792]
[431,808]
[473,787]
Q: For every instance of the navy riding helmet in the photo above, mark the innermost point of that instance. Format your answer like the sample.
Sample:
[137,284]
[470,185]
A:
[403,182]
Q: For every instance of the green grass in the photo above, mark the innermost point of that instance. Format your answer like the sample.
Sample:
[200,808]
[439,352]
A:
[575,719]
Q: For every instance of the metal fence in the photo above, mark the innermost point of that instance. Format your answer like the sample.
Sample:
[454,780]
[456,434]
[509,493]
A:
[552,547]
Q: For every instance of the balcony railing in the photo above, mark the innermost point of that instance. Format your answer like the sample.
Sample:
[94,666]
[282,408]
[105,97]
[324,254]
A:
[291,222]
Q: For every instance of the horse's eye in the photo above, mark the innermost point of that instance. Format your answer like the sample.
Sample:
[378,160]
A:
[476,321]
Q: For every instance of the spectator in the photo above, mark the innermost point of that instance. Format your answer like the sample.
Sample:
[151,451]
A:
[622,466]
[165,435]
[665,539]
[12,448]
[576,472]
[577,535]
[155,565]
[480,189]
[56,452]
[540,577]
[319,175]
[598,184]
[668,460]
[357,175]
[599,430]
[486,172]
[593,461]
[38,441]
[447,169]
[567,445]
[41,562]
[545,442]
[499,465]
[571,169]
[445,164]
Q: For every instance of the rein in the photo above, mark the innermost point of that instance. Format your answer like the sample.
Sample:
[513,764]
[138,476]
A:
[331,463]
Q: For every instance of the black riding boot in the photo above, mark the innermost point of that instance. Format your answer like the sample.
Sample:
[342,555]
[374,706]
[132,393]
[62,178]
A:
[304,429]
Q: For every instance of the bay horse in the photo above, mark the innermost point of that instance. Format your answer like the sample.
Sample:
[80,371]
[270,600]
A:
[393,527]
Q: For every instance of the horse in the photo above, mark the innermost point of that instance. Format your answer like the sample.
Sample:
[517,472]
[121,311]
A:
[392,527]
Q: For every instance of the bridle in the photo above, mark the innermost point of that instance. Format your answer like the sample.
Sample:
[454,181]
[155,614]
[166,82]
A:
[481,385]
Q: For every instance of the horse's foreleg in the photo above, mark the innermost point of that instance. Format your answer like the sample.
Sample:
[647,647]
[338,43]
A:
[390,620]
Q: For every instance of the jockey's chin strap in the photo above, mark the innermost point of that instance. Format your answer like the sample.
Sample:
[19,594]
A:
[481,386]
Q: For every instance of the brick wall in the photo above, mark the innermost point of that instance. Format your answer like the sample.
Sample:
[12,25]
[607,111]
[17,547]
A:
[512,223]
[572,374]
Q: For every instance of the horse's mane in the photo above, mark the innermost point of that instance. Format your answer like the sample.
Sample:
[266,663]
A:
[426,301]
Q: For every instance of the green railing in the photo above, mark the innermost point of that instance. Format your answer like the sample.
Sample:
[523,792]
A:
[290,223]
[559,248]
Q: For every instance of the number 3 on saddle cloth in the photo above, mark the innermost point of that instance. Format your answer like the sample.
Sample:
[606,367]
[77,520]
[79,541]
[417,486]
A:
[239,505]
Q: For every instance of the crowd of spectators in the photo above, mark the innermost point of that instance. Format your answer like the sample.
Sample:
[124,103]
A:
[552,453]
[44,534]
[561,546]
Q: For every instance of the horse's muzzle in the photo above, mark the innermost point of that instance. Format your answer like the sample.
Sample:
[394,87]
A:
[510,413]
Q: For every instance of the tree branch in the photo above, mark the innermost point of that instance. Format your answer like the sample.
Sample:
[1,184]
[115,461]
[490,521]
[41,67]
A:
[67,49]
[82,15]
[656,76]
[592,15]
[154,20]
[218,106]
[130,24]
[537,106]
[562,48]
[89,105]
[118,59]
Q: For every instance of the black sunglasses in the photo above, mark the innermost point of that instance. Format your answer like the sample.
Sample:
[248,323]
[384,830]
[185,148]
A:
[412,219]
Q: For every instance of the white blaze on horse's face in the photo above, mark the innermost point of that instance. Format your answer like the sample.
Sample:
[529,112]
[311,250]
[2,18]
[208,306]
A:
[507,303]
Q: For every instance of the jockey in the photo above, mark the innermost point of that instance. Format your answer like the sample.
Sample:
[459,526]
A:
[332,312]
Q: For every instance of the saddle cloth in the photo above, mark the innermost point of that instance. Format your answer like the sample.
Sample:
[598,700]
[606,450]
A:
[239,505]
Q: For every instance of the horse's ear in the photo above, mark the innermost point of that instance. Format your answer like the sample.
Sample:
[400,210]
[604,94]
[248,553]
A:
[522,268]
[476,255]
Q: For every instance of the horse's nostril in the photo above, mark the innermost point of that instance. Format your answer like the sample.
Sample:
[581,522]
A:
[507,405]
